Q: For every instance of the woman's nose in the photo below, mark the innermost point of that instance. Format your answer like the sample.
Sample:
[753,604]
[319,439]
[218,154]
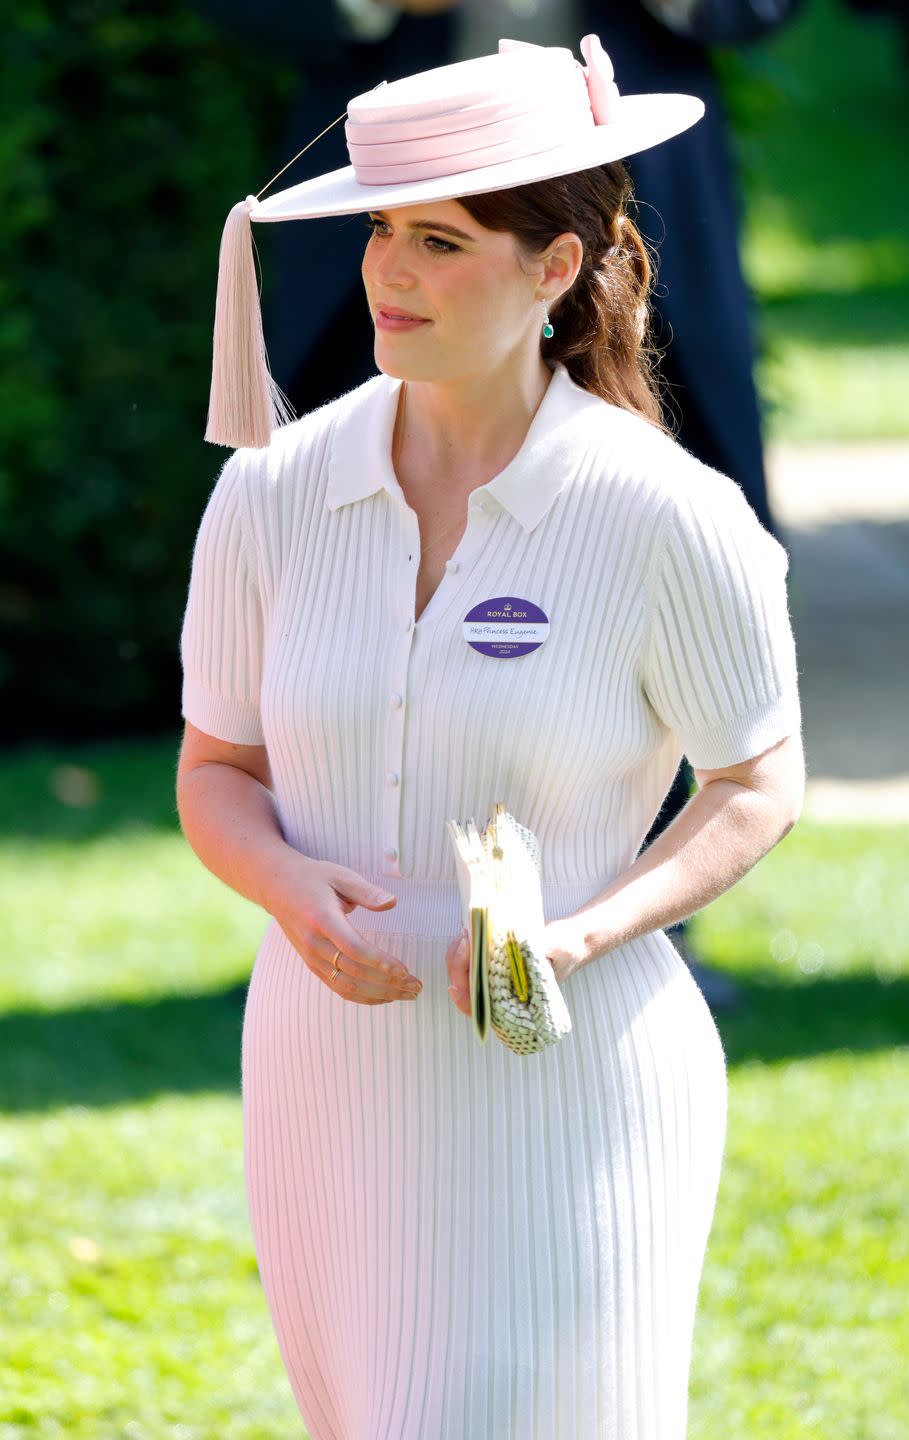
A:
[390,264]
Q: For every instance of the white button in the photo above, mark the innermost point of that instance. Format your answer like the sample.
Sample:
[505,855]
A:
[481,504]
[408,625]
[391,853]
[452,566]
[397,700]
[393,777]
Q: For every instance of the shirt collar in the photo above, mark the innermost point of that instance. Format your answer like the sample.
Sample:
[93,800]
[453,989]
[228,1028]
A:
[360,461]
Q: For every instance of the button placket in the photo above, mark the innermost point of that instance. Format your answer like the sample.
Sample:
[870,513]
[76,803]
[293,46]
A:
[392,770]
[391,764]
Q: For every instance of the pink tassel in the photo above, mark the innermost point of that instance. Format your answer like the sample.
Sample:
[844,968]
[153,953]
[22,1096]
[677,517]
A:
[245,404]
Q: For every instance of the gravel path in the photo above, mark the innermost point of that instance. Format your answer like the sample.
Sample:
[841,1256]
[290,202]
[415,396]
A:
[843,511]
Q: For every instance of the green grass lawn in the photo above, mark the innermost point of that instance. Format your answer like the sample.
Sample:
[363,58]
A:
[821,116]
[132,1304]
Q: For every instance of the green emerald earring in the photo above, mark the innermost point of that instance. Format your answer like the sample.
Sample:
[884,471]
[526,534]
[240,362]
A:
[548,331]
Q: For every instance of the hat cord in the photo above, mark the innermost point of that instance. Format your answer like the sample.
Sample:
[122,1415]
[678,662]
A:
[299,153]
[311,142]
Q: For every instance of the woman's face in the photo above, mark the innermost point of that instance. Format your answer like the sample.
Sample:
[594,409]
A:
[471,290]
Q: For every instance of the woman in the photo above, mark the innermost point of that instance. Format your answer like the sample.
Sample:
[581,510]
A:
[455,1242]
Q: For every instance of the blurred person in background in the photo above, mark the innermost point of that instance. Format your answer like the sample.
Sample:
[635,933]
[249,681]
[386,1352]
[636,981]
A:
[688,211]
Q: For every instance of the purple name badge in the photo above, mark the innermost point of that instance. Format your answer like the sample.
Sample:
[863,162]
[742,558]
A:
[505,627]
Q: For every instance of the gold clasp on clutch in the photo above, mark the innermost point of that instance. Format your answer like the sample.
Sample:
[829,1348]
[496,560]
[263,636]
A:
[518,967]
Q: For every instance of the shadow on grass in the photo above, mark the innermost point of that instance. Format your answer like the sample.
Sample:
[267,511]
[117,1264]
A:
[125,1053]
[852,1014]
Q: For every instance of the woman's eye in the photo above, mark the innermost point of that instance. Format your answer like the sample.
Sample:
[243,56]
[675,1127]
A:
[445,246]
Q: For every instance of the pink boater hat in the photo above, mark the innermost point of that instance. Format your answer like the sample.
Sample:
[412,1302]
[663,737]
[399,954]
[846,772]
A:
[529,112]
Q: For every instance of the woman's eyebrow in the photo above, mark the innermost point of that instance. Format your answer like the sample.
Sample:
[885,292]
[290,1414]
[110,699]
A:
[430,225]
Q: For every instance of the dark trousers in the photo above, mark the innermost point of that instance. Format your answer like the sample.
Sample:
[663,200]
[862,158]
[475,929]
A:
[675,801]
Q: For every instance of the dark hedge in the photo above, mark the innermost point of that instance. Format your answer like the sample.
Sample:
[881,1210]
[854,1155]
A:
[127,133]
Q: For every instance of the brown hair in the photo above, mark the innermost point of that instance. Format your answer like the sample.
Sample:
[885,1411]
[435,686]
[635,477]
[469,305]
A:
[602,323]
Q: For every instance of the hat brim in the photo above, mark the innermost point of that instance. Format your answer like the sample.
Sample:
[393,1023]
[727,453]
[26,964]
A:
[642,121]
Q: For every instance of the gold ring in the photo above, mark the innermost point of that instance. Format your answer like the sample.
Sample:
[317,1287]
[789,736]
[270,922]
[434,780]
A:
[337,970]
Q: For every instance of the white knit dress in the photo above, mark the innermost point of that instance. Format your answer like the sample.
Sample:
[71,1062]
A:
[457,1243]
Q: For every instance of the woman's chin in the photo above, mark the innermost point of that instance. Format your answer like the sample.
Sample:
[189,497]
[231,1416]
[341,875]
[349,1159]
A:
[393,360]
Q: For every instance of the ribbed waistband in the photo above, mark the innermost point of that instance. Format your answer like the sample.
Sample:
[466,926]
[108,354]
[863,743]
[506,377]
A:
[424,908]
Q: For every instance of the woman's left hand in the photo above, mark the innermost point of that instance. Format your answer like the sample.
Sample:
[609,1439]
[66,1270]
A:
[564,947]
[564,942]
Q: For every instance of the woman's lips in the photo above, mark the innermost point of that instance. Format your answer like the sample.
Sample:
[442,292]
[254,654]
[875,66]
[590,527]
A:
[388,320]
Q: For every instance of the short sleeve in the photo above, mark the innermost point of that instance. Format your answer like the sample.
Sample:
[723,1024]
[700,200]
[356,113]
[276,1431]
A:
[222,638]
[720,660]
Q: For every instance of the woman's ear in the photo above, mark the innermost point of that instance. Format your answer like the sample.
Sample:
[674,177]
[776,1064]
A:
[561,264]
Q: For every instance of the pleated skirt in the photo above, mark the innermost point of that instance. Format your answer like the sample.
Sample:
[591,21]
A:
[458,1243]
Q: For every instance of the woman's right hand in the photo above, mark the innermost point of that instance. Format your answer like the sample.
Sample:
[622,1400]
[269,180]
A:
[311,900]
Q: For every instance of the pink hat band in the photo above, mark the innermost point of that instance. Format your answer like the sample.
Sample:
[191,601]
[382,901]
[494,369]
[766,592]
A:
[444,134]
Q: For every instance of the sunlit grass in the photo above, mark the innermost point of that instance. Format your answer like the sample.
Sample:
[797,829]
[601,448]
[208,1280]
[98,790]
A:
[834,392]
[802,1315]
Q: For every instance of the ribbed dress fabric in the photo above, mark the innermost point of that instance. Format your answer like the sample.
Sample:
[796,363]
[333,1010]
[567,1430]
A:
[456,1242]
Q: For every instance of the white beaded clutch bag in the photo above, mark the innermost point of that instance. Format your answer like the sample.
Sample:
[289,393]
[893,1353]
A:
[512,984]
